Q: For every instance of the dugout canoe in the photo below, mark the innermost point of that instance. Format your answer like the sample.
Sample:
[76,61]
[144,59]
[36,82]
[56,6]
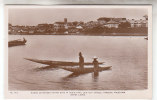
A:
[85,70]
[59,63]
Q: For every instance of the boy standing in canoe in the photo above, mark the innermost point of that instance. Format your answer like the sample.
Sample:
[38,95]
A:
[81,60]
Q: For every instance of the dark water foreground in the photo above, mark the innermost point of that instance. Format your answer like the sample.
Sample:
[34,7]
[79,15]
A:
[127,55]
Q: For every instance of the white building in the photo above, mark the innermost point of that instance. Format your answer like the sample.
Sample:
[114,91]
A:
[112,24]
[138,23]
[59,25]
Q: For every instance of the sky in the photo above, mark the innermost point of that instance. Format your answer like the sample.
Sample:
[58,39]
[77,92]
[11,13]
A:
[34,16]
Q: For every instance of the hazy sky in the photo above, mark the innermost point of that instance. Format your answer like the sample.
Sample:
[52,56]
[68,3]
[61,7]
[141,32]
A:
[34,16]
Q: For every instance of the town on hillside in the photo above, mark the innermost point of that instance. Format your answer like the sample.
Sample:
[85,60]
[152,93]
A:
[103,26]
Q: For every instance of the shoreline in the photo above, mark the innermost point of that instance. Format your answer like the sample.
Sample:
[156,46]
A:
[110,34]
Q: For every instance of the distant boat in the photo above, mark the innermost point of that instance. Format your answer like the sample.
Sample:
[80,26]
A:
[66,32]
[146,38]
[17,42]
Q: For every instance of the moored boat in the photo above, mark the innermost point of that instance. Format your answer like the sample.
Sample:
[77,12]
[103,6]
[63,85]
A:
[17,42]
[146,38]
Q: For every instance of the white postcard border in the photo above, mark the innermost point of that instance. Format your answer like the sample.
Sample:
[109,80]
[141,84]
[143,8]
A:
[108,94]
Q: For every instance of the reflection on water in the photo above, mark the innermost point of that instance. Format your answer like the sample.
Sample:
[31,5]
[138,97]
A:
[45,68]
[127,56]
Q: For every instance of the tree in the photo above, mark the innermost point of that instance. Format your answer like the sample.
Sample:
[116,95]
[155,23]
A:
[124,25]
[61,30]
[75,23]
[94,30]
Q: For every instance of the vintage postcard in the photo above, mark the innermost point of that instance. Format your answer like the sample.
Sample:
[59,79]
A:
[84,52]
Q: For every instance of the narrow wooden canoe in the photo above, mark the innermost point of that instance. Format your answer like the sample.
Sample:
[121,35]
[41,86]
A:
[59,63]
[85,70]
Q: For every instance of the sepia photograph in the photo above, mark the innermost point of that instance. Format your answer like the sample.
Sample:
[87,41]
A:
[78,48]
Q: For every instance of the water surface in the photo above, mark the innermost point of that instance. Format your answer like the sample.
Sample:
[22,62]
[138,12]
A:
[126,54]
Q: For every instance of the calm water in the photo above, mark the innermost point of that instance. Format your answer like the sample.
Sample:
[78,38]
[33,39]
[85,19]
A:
[127,55]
